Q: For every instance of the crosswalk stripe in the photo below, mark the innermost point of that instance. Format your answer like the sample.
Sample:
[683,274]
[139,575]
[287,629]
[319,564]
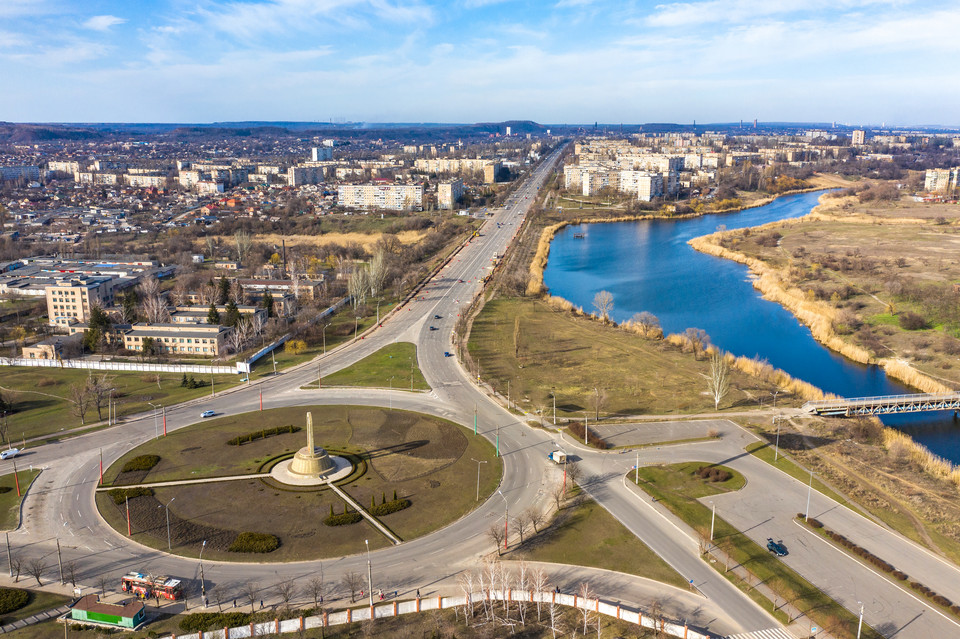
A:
[769,633]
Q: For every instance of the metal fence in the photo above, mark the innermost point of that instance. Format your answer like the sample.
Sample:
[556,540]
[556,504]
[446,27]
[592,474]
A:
[118,366]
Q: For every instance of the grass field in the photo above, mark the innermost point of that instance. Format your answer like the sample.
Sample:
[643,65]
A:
[392,366]
[422,458]
[587,535]
[9,501]
[39,601]
[539,350]
[676,488]
[42,408]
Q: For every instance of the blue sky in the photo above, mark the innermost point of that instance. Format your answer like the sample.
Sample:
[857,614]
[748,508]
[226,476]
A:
[850,61]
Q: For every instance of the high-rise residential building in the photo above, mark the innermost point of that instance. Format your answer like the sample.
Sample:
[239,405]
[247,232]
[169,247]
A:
[645,184]
[396,197]
[449,193]
[321,153]
[942,180]
[859,137]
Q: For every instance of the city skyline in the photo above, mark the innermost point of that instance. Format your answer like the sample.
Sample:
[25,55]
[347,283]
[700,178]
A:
[857,62]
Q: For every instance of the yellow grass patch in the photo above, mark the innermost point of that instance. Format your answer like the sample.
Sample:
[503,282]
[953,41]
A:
[366,240]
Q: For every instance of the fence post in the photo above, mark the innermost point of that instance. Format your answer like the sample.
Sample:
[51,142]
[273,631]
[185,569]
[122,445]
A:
[349,615]
[301,622]
[326,620]
[276,624]
[618,611]
[439,602]
[226,633]
[394,608]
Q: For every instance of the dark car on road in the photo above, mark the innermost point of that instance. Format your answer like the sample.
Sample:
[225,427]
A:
[433,328]
[437,317]
[776,547]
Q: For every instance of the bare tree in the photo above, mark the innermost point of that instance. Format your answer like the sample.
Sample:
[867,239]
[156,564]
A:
[698,339]
[102,582]
[251,591]
[79,400]
[496,536]
[377,272]
[218,597]
[585,612]
[718,383]
[99,388]
[71,573]
[16,566]
[36,567]
[287,590]
[599,399]
[574,472]
[538,583]
[522,583]
[352,581]
[535,517]
[521,523]
[558,493]
[154,309]
[603,302]
[315,590]
[648,323]
[243,242]
[357,287]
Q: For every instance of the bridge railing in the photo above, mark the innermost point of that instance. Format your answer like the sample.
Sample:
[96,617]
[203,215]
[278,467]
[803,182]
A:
[826,404]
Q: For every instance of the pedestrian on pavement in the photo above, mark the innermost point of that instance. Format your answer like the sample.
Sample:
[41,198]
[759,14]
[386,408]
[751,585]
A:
[234,603]
[261,604]
[381,593]
[418,593]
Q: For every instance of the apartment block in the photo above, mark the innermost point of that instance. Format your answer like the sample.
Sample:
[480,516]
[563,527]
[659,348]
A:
[321,153]
[145,181]
[298,175]
[645,184]
[395,197]
[859,137]
[449,193]
[942,180]
[70,301]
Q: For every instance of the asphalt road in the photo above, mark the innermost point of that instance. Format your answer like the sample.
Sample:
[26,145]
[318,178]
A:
[61,505]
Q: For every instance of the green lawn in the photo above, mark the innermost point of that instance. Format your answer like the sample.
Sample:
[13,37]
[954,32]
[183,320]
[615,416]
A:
[537,351]
[678,490]
[39,601]
[587,535]
[41,404]
[392,366]
[423,458]
[9,501]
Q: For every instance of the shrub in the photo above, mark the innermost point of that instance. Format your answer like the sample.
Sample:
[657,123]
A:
[141,462]
[899,574]
[390,507]
[119,495]
[254,542]
[5,489]
[13,599]
[202,621]
[815,523]
[912,321]
[295,346]
[713,473]
[343,519]
[262,434]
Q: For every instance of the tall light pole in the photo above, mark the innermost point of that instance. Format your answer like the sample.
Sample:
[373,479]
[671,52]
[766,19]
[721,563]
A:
[713,518]
[156,428]
[554,396]
[478,475]
[323,332]
[776,450]
[860,623]
[166,508]
[506,518]
[369,572]
[203,587]
[806,513]
[391,393]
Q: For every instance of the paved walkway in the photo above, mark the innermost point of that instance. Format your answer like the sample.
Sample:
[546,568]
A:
[373,520]
[37,618]
[183,482]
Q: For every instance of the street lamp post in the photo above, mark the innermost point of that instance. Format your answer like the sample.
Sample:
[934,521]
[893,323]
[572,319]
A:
[806,513]
[860,623]
[166,508]
[713,518]
[323,332]
[506,518]
[554,396]
[478,475]
[391,393]
[203,586]
[156,428]
[776,450]
[369,572]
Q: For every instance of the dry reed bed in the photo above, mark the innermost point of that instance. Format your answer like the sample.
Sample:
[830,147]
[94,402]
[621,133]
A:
[902,446]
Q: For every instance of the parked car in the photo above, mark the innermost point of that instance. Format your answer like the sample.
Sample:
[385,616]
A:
[776,547]
[10,453]
[208,413]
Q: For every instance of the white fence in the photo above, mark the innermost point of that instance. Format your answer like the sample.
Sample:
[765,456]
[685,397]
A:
[119,366]
[397,608]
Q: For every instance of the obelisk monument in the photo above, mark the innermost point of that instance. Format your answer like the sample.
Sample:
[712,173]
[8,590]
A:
[311,461]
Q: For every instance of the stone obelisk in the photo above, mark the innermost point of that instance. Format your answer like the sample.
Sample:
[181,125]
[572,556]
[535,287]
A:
[310,460]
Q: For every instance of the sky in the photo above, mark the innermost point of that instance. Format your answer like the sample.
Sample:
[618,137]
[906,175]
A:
[857,62]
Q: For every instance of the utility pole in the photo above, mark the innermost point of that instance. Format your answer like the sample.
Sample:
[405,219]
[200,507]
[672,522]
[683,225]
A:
[478,475]
[369,573]
[776,450]
[474,419]
[713,518]
[806,513]
[9,556]
[60,561]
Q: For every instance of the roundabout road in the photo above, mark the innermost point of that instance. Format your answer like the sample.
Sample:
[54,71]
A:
[60,505]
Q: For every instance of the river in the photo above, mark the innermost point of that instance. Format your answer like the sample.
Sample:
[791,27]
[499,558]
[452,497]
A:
[648,266]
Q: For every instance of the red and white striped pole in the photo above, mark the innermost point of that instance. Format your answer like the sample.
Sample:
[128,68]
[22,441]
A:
[261,399]
[129,530]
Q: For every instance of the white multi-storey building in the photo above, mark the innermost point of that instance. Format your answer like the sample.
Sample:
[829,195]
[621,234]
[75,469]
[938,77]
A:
[942,180]
[396,197]
[645,184]
[449,193]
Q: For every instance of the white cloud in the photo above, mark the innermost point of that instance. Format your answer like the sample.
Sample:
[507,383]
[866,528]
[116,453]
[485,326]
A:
[103,23]
[680,14]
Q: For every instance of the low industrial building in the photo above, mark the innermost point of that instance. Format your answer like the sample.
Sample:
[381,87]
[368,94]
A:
[91,610]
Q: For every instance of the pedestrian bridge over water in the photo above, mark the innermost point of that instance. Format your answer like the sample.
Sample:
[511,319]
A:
[884,404]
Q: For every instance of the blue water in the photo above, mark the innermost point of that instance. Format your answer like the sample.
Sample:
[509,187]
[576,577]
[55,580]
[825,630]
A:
[648,266]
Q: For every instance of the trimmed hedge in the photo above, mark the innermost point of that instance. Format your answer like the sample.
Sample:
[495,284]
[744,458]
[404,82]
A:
[390,507]
[141,462]
[254,542]
[202,621]
[240,440]
[120,495]
[13,599]
[343,519]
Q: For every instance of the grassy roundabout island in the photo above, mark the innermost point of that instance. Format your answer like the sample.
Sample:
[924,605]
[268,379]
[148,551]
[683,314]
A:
[248,516]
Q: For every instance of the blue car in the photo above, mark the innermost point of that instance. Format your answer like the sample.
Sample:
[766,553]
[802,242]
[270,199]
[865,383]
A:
[776,547]
[447,354]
